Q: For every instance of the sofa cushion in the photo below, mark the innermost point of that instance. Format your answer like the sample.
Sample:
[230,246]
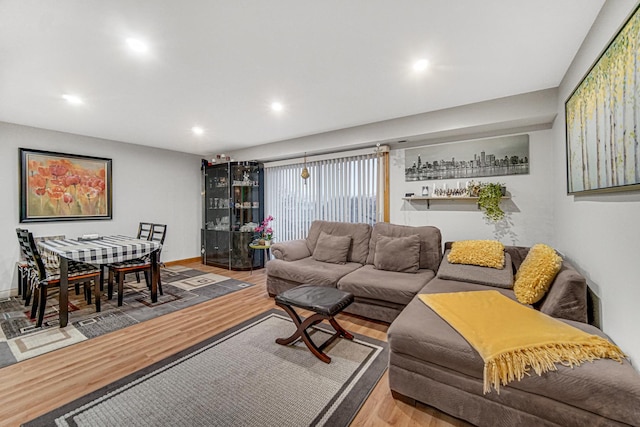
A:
[333,249]
[475,274]
[290,250]
[400,288]
[360,235]
[606,387]
[536,273]
[567,295]
[400,254]
[430,242]
[309,271]
[485,253]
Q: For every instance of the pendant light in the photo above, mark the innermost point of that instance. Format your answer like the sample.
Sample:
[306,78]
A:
[305,172]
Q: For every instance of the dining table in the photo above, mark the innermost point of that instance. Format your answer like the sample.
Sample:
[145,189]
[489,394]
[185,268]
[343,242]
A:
[100,251]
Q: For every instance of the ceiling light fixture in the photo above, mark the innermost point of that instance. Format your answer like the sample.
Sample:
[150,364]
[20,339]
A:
[420,65]
[72,99]
[197,130]
[277,106]
[137,45]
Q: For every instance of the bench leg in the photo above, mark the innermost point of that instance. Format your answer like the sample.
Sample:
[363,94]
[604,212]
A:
[301,332]
[340,329]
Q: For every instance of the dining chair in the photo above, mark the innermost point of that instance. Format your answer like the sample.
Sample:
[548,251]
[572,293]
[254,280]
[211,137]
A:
[50,261]
[144,232]
[42,277]
[117,271]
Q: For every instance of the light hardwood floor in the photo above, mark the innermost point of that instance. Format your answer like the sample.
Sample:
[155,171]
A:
[38,385]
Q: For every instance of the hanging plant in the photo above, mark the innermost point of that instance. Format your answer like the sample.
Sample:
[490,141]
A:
[489,198]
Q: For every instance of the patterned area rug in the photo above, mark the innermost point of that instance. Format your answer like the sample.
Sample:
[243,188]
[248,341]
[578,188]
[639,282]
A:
[240,377]
[182,287]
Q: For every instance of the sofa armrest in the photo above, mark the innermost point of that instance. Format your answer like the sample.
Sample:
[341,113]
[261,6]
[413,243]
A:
[291,250]
[567,296]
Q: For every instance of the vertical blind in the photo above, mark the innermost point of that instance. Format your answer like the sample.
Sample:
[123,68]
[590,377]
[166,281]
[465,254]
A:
[343,189]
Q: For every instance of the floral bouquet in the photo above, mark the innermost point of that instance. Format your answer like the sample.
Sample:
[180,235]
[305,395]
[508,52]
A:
[265,230]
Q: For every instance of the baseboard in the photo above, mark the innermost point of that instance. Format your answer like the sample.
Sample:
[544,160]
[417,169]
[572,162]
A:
[182,261]
[6,293]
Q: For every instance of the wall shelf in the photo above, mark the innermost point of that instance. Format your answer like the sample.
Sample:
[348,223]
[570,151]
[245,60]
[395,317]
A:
[448,199]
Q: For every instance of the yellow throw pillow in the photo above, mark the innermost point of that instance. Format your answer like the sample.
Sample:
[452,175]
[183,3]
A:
[536,273]
[485,253]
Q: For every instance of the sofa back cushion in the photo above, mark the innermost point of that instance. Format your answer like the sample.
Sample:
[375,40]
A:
[331,248]
[567,296]
[400,254]
[360,235]
[430,242]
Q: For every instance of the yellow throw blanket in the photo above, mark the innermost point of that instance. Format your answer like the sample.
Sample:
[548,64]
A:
[512,337]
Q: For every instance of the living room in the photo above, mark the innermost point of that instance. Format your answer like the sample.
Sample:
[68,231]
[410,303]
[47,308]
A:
[596,232]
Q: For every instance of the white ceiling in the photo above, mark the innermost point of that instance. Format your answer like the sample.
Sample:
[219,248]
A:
[219,64]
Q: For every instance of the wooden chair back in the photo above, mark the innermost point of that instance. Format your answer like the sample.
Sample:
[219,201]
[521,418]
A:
[158,233]
[30,252]
[144,230]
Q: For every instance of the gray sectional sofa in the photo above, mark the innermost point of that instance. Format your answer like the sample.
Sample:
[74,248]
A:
[429,361]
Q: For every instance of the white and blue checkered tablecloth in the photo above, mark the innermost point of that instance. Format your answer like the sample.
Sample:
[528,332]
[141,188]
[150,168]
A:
[107,250]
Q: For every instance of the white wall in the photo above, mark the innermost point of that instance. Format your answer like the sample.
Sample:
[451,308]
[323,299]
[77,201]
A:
[600,233]
[529,213]
[148,185]
[517,113]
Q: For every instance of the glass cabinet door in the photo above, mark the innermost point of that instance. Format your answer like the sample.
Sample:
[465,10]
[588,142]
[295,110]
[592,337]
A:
[216,215]
[245,194]
[246,213]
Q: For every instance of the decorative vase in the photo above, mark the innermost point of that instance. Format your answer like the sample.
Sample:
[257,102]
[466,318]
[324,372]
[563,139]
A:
[267,242]
[261,242]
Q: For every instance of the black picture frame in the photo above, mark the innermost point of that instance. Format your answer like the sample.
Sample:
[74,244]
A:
[64,187]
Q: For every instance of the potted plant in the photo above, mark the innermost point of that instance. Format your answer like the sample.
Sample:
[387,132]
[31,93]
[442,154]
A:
[265,232]
[489,198]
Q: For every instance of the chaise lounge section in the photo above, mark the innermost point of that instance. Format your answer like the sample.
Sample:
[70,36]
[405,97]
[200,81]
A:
[432,363]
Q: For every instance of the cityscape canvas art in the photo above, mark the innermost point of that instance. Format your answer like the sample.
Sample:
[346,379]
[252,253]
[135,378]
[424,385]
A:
[508,155]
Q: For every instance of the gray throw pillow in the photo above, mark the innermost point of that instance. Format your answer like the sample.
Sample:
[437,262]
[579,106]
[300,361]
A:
[333,249]
[400,254]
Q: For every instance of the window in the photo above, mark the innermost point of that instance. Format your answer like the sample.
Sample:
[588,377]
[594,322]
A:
[341,189]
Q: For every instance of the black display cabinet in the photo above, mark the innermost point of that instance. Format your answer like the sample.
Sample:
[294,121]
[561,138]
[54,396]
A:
[233,205]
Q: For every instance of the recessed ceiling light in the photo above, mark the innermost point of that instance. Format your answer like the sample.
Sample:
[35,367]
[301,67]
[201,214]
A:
[72,99]
[277,106]
[197,130]
[137,45]
[421,65]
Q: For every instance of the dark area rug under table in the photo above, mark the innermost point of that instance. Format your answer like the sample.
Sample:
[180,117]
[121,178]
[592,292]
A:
[182,287]
[240,377]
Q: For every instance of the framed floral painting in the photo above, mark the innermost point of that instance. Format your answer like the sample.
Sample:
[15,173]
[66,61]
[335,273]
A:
[64,187]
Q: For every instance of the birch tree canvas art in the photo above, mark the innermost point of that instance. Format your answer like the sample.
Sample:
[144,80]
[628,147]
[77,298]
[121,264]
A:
[602,117]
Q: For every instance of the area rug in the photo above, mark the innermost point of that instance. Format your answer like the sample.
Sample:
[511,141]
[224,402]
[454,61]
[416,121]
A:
[240,377]
[182,287]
